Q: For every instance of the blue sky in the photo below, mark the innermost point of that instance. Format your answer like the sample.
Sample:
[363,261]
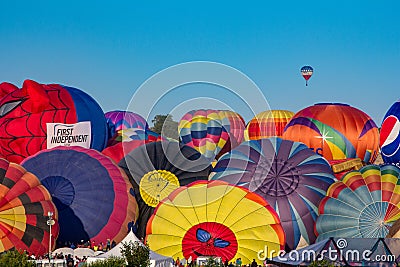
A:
[108,49]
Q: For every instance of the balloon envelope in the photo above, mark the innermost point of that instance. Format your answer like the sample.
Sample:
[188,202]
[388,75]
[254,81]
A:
[267,124]
[211,132]
[93,195]
[307,72]
[26,112]
[158,168]
[24,208]
[335,131]
[288,175]
[120,120]
[390,135]
[214,219]
[362,205]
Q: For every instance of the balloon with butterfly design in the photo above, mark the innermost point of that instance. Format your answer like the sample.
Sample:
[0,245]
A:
[214,218]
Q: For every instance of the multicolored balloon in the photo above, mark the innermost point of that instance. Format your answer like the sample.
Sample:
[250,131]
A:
[24,114]
[363,204]
[234,124]
[158,168]
[24,208]
[288,175]
[204,131]
[93,195]
[390,135]
[119,150]
[335,131]
[307,72]
[268,123]
[121,120]
[215,219]
[130,134]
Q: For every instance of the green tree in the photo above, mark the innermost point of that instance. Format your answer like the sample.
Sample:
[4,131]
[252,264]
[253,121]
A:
[165,125]
[213,262]
[110,262]
[136,254]
[15,258]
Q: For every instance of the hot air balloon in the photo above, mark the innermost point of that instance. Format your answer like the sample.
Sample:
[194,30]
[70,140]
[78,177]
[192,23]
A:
[288,175]
[335,131]
[390,135]
[119,150]
[27,114]
[120,120]
[362,205]
[307,72]
[24,206]
[215,219]
[158,168]
[209,131]
[267,124]
[234,124]
[93,195]
[130,134]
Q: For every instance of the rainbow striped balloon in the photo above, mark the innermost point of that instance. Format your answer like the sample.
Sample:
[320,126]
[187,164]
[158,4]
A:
[204,130]
[363,204]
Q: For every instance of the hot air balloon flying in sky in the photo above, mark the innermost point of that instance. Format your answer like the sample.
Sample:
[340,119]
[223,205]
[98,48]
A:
[93,195]
[288,175]
[307,72]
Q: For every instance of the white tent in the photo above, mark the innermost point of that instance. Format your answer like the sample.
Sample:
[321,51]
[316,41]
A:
[156,260]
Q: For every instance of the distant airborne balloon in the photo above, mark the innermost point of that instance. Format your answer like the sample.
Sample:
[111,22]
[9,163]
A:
[307,72]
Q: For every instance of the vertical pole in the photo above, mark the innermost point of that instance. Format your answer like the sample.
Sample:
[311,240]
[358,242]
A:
[50,245]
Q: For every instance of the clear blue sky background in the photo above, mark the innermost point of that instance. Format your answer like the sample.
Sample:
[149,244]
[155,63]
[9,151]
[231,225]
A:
[109,49]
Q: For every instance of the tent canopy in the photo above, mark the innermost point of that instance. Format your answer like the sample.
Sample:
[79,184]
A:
[157,260]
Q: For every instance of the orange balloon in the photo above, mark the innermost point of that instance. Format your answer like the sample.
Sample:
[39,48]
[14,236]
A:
[335,131]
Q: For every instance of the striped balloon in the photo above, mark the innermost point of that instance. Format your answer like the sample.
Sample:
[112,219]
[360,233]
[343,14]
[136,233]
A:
[363,204]
[288,175]
[120,120]
[93,195]
[268,123]
[24,206]
[235,126]
[203,130]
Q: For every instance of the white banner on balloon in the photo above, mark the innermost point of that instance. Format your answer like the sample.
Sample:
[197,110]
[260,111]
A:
[60,134]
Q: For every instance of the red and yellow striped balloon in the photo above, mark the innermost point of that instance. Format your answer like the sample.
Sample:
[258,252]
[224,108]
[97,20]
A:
[268,123]
[24,206]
